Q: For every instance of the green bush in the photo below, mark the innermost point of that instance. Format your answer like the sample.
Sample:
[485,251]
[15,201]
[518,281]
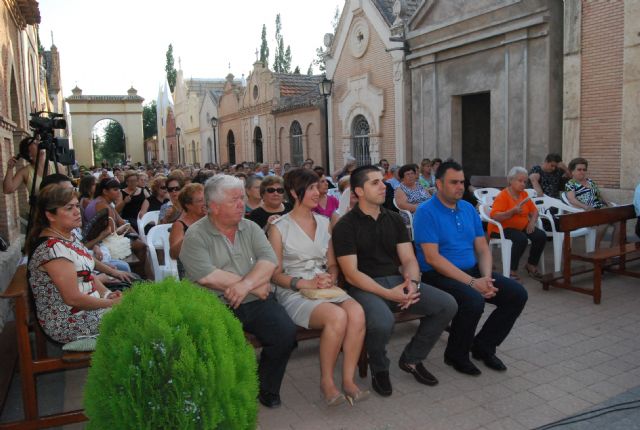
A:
[171,356]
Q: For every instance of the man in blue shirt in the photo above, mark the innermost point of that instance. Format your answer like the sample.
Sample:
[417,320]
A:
[454,256]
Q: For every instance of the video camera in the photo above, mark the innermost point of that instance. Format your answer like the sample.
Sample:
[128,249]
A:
[43,124]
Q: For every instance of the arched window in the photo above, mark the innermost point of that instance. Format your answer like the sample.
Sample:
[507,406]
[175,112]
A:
[231,147]
[295,137]
[257,142]
[360,140]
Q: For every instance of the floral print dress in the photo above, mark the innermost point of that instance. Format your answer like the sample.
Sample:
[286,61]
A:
[61,322]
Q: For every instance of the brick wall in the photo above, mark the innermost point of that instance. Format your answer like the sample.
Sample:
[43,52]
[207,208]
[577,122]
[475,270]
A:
[378,63]
[601,92]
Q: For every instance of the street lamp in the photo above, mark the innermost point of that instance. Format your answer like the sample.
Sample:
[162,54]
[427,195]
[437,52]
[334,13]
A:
[325,89]
[214,124]
[178,131]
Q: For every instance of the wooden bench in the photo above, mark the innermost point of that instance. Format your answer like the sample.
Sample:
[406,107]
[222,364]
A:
[35,361]
[601,259]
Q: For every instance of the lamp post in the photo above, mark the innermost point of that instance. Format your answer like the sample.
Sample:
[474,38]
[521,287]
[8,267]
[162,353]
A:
[214,125]
[178,131]
[325,89]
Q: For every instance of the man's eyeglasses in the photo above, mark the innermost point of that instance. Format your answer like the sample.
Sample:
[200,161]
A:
[173,189]
[272,190]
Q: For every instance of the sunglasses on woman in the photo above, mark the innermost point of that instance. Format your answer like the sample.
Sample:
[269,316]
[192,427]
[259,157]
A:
[163,187]
[173,189]
[272,190]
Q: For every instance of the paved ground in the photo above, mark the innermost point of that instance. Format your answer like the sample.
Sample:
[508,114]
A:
[565,355]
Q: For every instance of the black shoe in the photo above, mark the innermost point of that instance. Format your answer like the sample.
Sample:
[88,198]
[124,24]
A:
[381,384]
[491,361]
[269,400]
[421,374]
[466,367]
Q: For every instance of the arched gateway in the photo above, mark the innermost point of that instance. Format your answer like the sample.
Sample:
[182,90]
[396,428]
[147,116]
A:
[86,111]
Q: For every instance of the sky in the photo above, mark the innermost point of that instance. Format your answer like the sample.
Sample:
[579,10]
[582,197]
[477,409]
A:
[107,47]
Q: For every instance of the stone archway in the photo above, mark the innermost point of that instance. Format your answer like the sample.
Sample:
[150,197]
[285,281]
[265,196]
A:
[85,111]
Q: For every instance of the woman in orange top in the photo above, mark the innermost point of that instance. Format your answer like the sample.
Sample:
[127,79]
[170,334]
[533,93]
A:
[518,217]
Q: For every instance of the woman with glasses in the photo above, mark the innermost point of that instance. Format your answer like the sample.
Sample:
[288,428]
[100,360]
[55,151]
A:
[583,192]
[252,189]
[133,197]
[170,211]
[158,197]
[273,205]
[301,240]
[518,215]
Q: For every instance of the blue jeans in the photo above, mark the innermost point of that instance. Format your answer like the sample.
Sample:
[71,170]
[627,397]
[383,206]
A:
[269,322]
[509,301]
[437,307]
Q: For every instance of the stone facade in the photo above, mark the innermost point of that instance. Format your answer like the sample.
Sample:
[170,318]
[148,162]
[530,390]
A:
[208,110]
[601,87]
[506,55]
[87,110]
[366,61]
[275,117]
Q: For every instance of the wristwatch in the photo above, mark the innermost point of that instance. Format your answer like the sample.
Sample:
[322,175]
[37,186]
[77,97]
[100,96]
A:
[416,283]
[294,283]
[471,282]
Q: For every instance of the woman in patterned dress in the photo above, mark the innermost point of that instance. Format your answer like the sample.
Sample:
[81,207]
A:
[410,193]
[69,301]
[583,192]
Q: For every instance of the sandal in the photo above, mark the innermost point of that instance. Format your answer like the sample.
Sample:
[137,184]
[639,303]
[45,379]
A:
[514,276]
[356,397]
[535,273]
[335,400]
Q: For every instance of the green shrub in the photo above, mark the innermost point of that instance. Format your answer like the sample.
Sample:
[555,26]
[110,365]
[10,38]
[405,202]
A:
[171,356]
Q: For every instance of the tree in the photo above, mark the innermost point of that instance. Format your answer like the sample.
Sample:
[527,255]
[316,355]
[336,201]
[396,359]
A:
[150,120]
[282,60]
[264,48]
[297,70]
[320,59]
[172,73]
[310,69]
[112,145]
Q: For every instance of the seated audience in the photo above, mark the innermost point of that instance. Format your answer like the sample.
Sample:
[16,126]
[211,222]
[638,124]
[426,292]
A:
[301,240]
[435,163]
[518,215]
[157,198]
[409,193]
[192,201]
[327,204]
[386,173]
[583,192]
[133,197]
[349,164]
[395,179]
[273,205]
[170,211]
[69,301]
[231,256]
[454,256]
[425,174]
[549,178]
[375,254]
[252,189]
[86,189]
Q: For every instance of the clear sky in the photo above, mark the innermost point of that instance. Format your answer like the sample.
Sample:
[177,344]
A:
[105,47]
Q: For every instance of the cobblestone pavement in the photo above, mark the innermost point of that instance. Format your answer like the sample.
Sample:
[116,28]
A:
[565,355]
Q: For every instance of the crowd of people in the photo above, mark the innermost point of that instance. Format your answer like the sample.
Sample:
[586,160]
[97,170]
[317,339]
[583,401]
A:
[287,246]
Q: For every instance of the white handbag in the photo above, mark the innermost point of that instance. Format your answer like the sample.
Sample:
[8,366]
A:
[118,245]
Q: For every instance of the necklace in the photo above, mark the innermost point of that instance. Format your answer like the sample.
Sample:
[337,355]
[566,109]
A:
[59,234]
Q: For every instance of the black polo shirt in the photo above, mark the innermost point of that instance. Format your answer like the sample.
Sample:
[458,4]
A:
[373,241]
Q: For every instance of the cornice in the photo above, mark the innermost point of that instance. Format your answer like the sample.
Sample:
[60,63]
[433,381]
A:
[23,12]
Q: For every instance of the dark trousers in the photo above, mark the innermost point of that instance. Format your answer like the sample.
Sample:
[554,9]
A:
[437,307]
[509,301]
[269,322]
[519,238]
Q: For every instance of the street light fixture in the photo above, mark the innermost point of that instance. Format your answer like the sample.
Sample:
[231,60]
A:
[325,89]
[178,132]
[214,125]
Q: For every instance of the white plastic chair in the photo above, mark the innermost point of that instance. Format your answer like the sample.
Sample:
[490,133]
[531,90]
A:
[504,243]
[531,192]
[544,205]
[343,202]
[148,218]
[409,215]
[160,235]
[486,196]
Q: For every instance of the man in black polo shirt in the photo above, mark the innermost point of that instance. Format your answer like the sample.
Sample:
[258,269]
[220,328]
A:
[371,243]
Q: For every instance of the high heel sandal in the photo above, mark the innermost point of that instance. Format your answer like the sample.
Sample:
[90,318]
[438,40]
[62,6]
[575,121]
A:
[336,400]
[535,273]
[356,397]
